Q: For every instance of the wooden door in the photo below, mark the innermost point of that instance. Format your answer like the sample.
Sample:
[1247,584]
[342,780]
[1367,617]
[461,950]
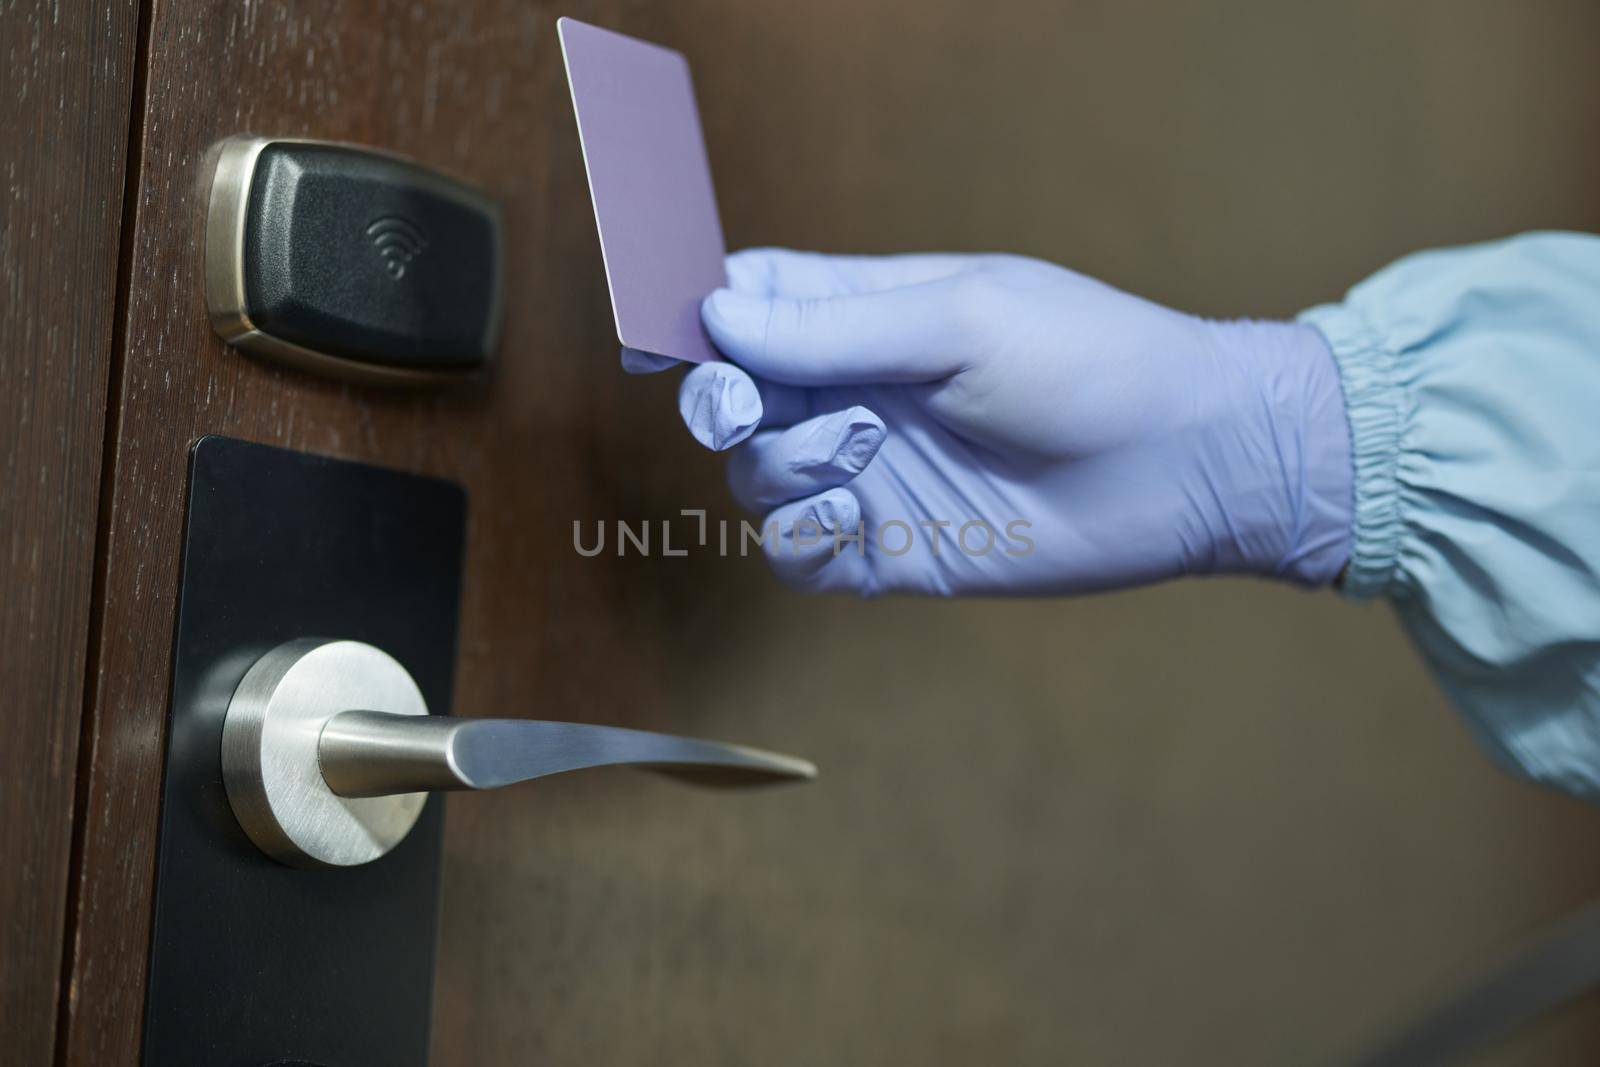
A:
[1173,826]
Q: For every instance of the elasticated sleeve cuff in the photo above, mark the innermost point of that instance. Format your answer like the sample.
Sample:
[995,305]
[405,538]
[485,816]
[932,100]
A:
[1374,403]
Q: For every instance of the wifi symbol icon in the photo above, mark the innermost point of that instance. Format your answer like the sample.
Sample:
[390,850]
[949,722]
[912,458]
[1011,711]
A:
[398,241]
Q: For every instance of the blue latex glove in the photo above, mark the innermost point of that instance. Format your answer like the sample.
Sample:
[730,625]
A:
[999,425]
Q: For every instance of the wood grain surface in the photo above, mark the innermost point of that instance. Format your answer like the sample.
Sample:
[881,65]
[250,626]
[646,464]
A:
[65,75]
[1215,823]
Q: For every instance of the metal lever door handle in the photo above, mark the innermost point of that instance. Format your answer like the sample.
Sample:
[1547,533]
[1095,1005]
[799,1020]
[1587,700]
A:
[328,752]
[374,754]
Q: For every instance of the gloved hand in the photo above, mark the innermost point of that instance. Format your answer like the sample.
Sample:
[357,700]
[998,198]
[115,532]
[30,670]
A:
[999,425]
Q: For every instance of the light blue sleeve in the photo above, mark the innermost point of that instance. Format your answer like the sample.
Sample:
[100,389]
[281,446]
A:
[1472,381]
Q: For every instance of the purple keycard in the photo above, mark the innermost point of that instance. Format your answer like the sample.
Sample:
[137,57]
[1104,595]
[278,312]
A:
[651,185]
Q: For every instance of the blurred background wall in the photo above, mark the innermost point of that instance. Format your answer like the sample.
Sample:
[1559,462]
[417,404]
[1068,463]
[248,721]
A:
[1210,823]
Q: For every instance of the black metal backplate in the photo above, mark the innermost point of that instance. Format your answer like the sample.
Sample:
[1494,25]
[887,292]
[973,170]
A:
[253,962]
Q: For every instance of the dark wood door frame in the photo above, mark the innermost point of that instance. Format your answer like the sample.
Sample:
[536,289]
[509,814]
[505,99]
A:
[66,86]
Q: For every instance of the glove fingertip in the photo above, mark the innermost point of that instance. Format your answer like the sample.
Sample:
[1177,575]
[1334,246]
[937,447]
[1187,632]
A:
[736,322]
[720,405]
[863,435]
[636,361]
[806,539]
[751,270]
